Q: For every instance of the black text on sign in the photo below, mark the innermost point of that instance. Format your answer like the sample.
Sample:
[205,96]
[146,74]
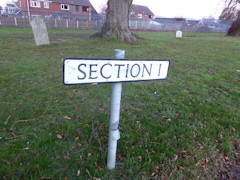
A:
[88,71]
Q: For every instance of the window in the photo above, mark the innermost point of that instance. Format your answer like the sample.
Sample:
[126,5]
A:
[85,8]
[150,16]
[77,8]
[35,4]
[64,6]
[46,5]
[140,15]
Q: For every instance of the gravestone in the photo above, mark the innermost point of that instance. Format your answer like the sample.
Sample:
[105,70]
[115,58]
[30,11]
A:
[178,34]
[40,33]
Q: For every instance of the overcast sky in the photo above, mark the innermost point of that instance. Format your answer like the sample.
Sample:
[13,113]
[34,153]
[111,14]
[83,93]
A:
[178,8]
[173,8]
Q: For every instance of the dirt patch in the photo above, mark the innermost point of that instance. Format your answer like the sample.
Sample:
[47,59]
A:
[19,36]
[61,36]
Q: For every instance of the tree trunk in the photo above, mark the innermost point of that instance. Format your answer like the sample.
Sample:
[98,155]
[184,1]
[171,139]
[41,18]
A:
[231,13]
[116,25]
[235,27]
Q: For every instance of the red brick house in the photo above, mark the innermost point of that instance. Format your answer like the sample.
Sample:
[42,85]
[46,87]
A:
[62,9]
[141,12]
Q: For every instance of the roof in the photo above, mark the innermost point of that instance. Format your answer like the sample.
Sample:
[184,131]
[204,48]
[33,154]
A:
[74,2]
[10,5]
[139,9]
[170,20]
[193,22]
[212,23]
[94,12]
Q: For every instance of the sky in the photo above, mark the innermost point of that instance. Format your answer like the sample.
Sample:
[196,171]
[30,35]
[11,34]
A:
[196,9]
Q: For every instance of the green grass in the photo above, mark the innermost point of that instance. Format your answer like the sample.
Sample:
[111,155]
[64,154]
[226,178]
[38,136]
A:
[182,128]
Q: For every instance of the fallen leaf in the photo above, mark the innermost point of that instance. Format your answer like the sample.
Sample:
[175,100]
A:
[205,167]
[175,157]
[140,158]
[66,157]
[6,121]
[66,117]
[206,159]
[78,173]
[221,136]
[45,177]
[59,136]
[26,149]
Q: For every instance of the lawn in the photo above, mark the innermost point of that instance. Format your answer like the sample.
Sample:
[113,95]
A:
[185,127]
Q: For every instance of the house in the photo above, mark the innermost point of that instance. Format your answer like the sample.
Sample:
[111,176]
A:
[215,25]
[61,9]
[141,12]
[11,9]
[193,25]
[172,24]
[211,23]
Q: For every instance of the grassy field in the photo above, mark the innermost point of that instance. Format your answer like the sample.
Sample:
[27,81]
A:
[186,127]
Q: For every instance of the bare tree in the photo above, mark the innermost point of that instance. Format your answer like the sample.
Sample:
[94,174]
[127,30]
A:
[231,15]
[117,22]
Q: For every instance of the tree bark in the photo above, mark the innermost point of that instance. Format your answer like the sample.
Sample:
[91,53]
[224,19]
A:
[231,14]
[235,27]
[117,22]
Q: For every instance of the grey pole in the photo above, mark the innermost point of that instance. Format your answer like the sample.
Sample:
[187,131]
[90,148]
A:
[114,134]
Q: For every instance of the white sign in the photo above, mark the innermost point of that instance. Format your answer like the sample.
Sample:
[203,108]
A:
[89,71]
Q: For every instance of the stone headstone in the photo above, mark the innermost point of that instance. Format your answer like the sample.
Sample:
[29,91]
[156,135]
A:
[40,33]
[178,34]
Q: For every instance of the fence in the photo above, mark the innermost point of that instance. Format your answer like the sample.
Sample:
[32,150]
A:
[209,26]
[51,23]
[96,22]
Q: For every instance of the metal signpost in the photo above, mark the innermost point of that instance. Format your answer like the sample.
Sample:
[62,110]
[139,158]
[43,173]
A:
[78,71]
